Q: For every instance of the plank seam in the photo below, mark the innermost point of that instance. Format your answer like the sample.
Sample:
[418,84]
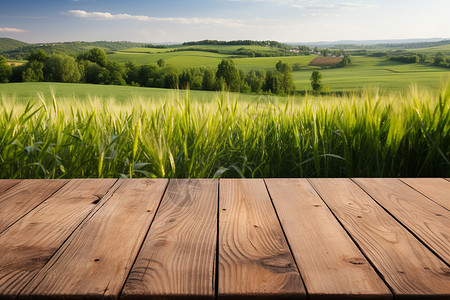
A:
[14,184]
[145,238]
[287,241]
[403,225]
[353,240]
[423,194]
[94,210]
[39,204]
[216,267]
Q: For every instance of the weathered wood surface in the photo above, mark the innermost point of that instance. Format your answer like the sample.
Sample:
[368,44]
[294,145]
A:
[6,184]
[227,238]
[426,219]
[437,189]
[23,197]
[324,253]
[101,252]
[29,243]
[178,257]
[254,257]
[406,265]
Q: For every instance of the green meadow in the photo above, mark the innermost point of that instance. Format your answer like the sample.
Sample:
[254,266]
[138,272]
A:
[444,49]
[375,72]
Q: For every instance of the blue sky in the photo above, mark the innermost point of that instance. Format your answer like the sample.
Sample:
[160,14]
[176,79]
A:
[178,21]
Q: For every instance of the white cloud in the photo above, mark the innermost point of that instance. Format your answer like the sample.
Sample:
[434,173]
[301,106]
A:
[7,29]
[188,21]
[313,4]
[346,5]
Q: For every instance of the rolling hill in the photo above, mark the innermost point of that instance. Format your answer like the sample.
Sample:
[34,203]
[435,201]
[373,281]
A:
[7,44]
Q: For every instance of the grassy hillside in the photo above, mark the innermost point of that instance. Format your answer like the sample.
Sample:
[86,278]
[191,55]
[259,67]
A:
[445,49]
[73,48]
[7,44]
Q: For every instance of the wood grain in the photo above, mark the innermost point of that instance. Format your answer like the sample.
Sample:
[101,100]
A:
[178,256]
[26,195]
[330,263]
[6,184]
[254,258]
[437,189]
[95,261]
[26,246]
[428,220]
[410,269]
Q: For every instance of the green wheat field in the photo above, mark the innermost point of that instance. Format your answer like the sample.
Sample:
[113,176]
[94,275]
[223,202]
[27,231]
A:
[54,133]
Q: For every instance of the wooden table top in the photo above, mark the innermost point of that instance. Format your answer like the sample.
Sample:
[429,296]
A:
[229,238]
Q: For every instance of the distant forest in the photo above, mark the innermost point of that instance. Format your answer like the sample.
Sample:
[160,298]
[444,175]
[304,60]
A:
[240,43]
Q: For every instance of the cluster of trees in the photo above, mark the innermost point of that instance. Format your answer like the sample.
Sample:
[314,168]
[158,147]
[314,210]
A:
[441,61]
[228,76]
[94,67]
[408,59]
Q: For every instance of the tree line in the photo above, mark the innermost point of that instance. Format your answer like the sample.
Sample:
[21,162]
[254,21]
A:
[94,67]
[239,42]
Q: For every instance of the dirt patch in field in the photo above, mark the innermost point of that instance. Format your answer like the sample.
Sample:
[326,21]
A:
[15,64]
[321,61]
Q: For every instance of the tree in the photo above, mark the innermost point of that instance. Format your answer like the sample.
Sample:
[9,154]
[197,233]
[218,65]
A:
[132,72]
[230,74]
[95,55]
[286,82]
[148,75]
[161,63]
[5,70]
[93,73]
[116,73]
[34,71]
[255,80]
[316,82]
[208,81]
[38,55]
[61,68]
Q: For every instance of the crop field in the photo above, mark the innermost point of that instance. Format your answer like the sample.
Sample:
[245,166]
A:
[374,72]
[325,61]
[360,135]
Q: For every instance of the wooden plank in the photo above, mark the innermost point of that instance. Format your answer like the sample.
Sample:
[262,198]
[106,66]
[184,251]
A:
[330,263]
[254,257]
[410,269]
[95,261]
[26,246]
[426,219]
[178,256]
[437,189]
[26,195]
[6,184]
